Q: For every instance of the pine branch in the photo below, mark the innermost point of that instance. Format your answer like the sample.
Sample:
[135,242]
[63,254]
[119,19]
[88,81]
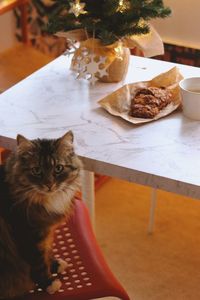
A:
[105,18]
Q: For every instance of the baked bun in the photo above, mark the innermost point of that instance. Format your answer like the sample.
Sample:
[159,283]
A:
[148,102]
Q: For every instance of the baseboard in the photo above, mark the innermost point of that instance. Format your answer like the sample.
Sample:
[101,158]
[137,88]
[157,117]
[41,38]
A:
[181,54]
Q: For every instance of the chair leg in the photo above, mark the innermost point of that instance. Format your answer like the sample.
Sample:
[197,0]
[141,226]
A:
[152,210]
[24,22]
[88,193]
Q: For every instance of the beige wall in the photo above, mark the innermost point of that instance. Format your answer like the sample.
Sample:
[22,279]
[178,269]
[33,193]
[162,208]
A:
[7,25]
[182,28]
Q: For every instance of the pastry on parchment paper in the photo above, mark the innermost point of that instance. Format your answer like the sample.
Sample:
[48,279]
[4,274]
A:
[165,98]
[148,102]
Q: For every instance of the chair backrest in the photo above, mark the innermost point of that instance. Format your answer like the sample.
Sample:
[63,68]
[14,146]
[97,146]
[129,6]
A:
[6,6]
[88,276]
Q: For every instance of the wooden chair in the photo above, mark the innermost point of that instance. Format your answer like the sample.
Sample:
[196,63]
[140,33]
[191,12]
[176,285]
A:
[21,60]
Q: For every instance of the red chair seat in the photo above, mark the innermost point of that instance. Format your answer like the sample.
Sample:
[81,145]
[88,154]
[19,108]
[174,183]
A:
[88,275]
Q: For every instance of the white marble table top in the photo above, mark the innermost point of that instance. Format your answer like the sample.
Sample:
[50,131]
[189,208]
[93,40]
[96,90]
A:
[164,154]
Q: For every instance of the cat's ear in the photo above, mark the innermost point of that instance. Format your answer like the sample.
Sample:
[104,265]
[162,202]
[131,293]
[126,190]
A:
[22,141]
[67,138]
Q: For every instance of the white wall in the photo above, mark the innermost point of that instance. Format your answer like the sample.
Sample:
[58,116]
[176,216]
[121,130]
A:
[183,27]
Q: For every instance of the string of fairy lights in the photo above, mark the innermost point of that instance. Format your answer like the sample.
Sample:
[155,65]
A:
[91,67]
[100,44]
[77,7]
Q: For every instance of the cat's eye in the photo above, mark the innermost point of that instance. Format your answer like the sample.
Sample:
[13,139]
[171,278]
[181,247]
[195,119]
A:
[59,168]
[36,171]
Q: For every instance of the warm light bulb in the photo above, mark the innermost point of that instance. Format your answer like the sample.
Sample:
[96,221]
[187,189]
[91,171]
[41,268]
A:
[123,5]
[77,8]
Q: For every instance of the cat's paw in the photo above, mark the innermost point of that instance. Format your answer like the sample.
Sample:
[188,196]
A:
[54,287]
[62,265]
[58,266]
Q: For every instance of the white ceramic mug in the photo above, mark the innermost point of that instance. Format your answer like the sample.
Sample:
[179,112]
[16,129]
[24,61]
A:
[190,91]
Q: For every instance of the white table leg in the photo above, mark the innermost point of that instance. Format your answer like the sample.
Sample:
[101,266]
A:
[88,193]
[152,210]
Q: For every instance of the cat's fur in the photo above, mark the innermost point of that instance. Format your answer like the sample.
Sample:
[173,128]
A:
[37,186]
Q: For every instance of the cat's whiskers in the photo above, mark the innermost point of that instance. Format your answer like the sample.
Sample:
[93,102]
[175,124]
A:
[20,195]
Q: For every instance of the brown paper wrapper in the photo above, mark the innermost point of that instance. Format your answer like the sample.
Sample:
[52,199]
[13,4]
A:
[117,70]
[119,102]
[150,44]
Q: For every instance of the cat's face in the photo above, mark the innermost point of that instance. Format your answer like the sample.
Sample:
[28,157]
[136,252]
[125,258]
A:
[47,166]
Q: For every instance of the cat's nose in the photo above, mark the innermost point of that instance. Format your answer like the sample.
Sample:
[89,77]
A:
[49,185]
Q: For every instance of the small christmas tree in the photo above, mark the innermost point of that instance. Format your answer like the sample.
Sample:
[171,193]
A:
[107,20]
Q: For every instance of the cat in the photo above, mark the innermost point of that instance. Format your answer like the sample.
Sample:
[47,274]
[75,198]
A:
[37,185]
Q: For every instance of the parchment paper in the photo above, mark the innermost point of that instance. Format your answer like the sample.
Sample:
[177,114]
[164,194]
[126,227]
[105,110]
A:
[119,102]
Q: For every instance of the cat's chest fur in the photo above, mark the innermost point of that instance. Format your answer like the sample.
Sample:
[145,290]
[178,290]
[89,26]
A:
[54,203]
[33,225]
[59,203]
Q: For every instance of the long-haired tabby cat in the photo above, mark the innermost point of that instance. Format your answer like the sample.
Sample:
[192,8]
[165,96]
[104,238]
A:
[37,186]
